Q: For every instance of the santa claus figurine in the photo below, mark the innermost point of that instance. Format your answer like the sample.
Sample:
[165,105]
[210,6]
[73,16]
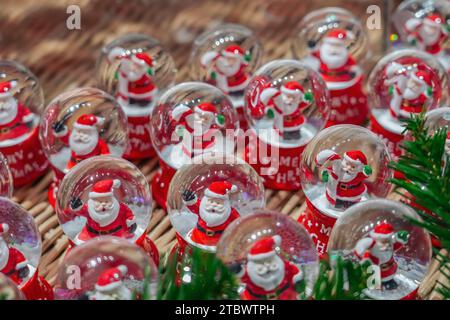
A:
[344,176]
[135,78]
[379,250]
[16,120]
[429,34]
[285,106]
[214,212]
[12,262]
[447,144]
[228,68]
[104,213]
[410,91]
[266,275]
[197,127]
[110,285]
[84,140]
[332,59]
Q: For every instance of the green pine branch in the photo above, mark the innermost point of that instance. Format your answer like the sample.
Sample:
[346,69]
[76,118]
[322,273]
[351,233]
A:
[426,168]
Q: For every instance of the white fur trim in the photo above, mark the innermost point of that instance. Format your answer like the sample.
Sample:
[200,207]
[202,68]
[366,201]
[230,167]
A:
[198,110]
[339,85]
[363,245]
[267,94]
[116,53]
[123,269]
[116,183]
[376,236]
[108,287]
[179,111]
[21,264]
[325,155]
[130,222]
[277,240]
[148,94]
[352,198]
[231,54]
[239,87]
[291,91]
[358,162]
[98,195]
[5,227]
[412,24]
[211,194]
[261,256]
[100,121]
[208,57]
[298,276]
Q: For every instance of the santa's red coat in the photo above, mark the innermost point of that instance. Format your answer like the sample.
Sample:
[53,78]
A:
[198,144]
[284,291]
[237,81]
[434,48]
[387,269]
[205,235]
[15,257]
[347,191]
[118,227]
[341,74]
[290,122]
[141,88]
[17,127]
[414,106]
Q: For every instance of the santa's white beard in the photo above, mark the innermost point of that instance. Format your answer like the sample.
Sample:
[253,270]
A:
[289,107]
[4,253]
[106,217]
[430,36]
[8,110]
[131,72]
[228,70]
[335,60]
[214,216]
[199,128]
[83,147]
[410,94]
[120,293]
[347,176]
[271,279]
[383,255]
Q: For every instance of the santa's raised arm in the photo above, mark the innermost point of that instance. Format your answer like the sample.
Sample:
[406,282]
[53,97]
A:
[12,262]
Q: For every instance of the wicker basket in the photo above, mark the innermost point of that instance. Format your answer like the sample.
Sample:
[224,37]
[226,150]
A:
[35,34]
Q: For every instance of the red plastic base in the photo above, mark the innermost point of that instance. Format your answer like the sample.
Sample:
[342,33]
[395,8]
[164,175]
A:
[280,172]
[140,145]
[318,226]
[161,182]
[37,288]
[26,160]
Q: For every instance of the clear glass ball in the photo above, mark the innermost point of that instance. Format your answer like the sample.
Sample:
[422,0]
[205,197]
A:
[313,28]
[104,179]
[190,119]
[226,56]
[21,96]
[287,103]
[106,268]
[357,228]
[9,290]
[19,240]
[6,180]
[422,24]
[224,181]
[438,118]
[65,130]
[237,244]
[340,159]
[395,92]
[120,63]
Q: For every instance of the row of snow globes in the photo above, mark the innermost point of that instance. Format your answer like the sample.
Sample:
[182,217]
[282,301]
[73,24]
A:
[286,105]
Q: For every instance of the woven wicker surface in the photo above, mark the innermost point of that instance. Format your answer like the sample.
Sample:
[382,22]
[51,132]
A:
[35,34]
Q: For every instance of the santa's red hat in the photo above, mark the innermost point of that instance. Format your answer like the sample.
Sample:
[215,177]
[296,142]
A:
[6,88]
[220,189]
[292,87]
[422,77]
[206,108]
[434,20]
[448,137]
[142,59]
[88,121]
[264,248]
[4,227]
[382,231]
[355,156]
[111,279]
[233,50]
[338,36]
[104,188]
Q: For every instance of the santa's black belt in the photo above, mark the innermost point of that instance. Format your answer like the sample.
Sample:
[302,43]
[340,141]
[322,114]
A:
[345,187]
[333,73]
[9,273]
[269,296]
[208,232]
[9,128]
[97,232]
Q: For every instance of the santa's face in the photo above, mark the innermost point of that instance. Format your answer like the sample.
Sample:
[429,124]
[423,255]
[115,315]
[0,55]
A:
[103,210]
[266,273]
[4,253]
[214,211]
[350,170]
[383,250]
[83,141]
[413,89]
[133,71]
[334,55]
[228,65]
[119,293]
[430,33]
[8,109]
[200,122]
[290,102]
